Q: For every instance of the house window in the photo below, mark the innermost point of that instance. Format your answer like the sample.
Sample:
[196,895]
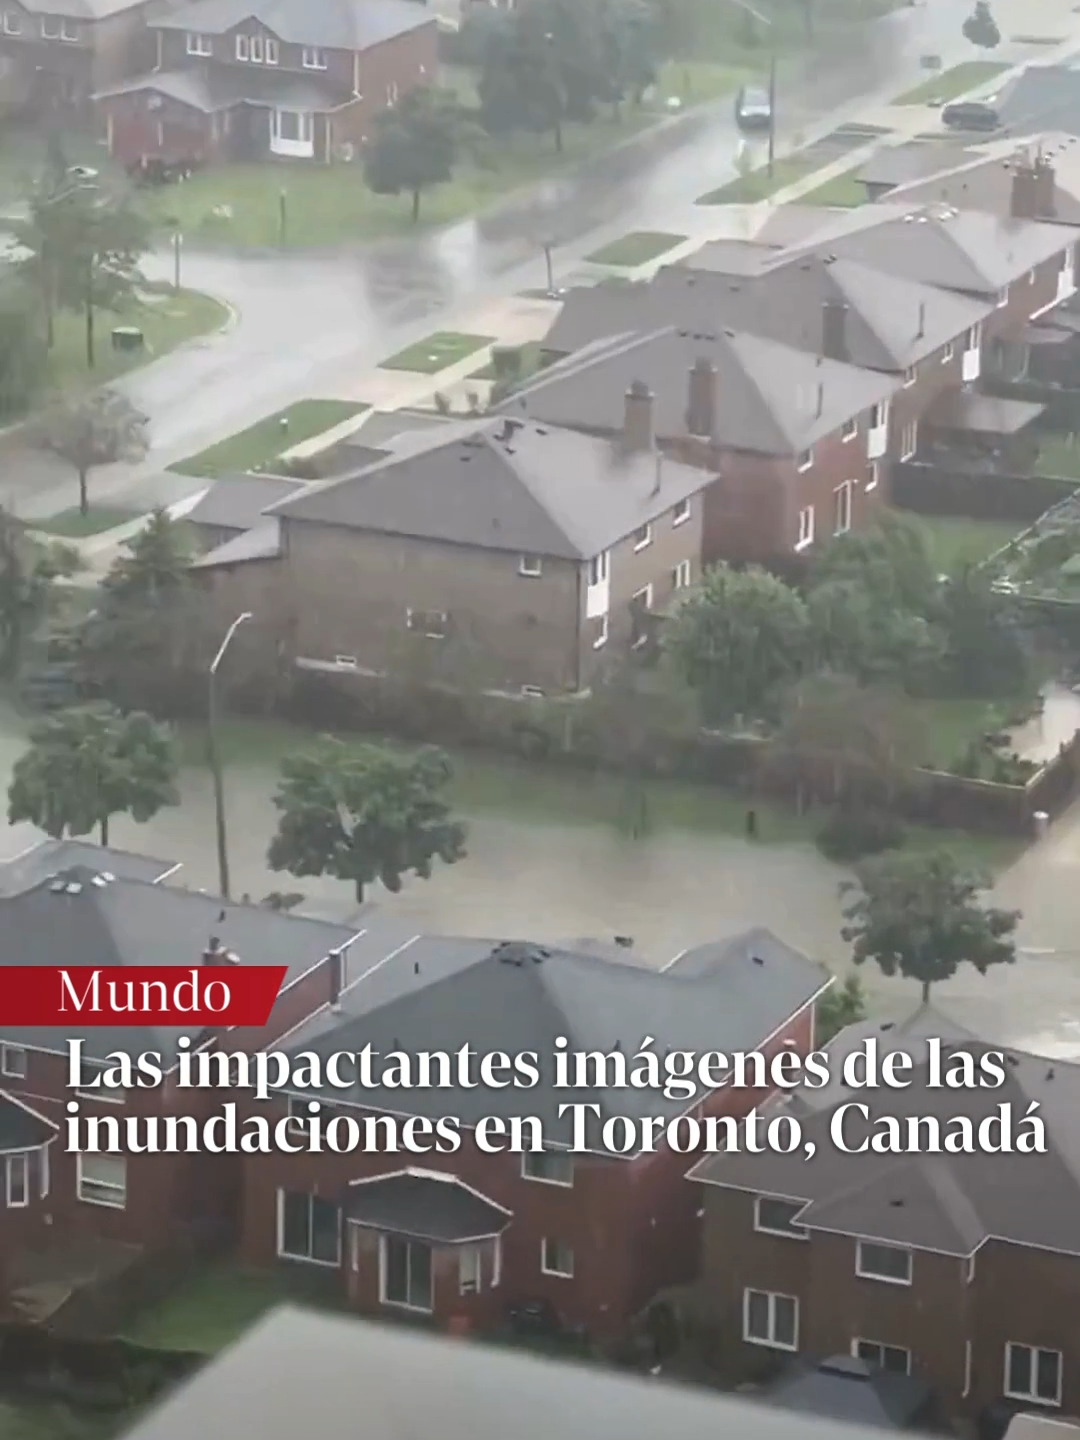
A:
[555,1167]
[556,1259]
[1032,1374]
[849,430]
[102,1180]
[295,126]
[973,338]
[947,353]
[640,605]
[256,48]
[1002,298]
[391,95]
[777,1217]
[469,1270]
[200,45]
[680,576]
[110,1096]
[50,28]
[405,1274]
[309,1228]
[530,565]
[893,1358]
[806,527]
[771,1320]
[68,32]
[12,24]
[601,638]
[874,475]
[642,537]
[879,415]
[242,52]
[13,1062]
[909,440]
[272,51]
[681,513]
[313,58]
[842,508]
[891,1263]
[804,461]
[598,569]
[1033,275]
[430,623]
[17,1181]
[911,374]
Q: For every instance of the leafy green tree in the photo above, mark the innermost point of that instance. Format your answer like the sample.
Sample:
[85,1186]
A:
[840,1006]
[365,814]
[155,564]
[919,915]
[738,640]
[100,428]
[85,765]
[869,634]
[415,145]
[891,559]
[28,571]
[23,356]
[984,650]
[630,48]
[981,28]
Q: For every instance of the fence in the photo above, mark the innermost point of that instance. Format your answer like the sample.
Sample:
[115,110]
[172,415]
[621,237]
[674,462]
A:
[929,489]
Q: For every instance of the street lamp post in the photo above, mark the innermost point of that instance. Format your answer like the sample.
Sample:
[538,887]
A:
[547,248]
[214,755]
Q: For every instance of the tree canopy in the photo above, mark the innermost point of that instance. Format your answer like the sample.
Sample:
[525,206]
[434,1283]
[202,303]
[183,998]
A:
[415,145]
[981,28]
[87,431]
[85,765]
[363,814]
[28,570]
[919,915]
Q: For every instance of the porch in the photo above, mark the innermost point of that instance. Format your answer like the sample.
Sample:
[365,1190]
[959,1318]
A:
[965,429]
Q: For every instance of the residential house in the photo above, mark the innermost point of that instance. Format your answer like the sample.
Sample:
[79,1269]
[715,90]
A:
[295,79]
[54,54]
[42,860]
[297,1370]
[983,177]
[234,505]
[138,1202]
[926,338]
[959,1269]
[496,548]
[466,1237]
[787,438]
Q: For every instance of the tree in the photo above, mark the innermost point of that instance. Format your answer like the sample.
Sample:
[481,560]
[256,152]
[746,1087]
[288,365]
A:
[840,1006]
[630,44]
[891,559]
[365,814]
[23,356]
[984,651]
[28,571]
[919,915]
[737,641]
[85,765]
[866,632]
[101,428]
[981,28]
[415,145]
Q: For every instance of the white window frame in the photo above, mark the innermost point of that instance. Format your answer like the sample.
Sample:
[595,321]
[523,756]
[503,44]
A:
[546,1269]
[384,1299]
[531,566]
[880,1346]
[864,1274]
[879,415]
[103,1188]
[875,475]
[12,25]
[470,1270]
[1001,299]
[770,1342]
[973,338]
[256,50]
[797,1233]
[806,527]
[14,1060]
[69,32]
[242,52]
[199,44]
[17,1165]
[313,57]
[948,353]
[681,513]
[849,430]
[646,594]
[602,638]
[910,428]
[527,1174]
[271,50]
[1034,1351]
[50,27]
[284,1254]
[804,461]
[911,374]
[681,575]
[842,507]
[645,534]
[598,569]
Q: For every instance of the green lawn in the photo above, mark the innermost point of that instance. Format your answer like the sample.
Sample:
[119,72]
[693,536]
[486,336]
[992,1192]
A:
[436,352]
[24,155]
[73,525]
[217,1303]
[759,184]
[841,191]
[1059,455]
[950,84]
[956,541]
[637,248]
[53,1420]
[261,443]
[951,725]
[530,363]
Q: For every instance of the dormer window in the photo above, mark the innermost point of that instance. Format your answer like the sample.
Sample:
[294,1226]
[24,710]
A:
[199,45]
[12,25]
[313,58]
[255,48]
[242,48]
[50,28]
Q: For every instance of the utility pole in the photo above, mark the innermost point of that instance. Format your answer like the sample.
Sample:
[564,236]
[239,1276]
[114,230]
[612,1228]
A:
[214,755]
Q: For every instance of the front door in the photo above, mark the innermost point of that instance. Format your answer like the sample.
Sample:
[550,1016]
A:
[249,133]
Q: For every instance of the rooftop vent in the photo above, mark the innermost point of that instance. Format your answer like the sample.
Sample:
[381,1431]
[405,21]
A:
[57,887]
[108,876]
[99,881]
[756,960]
[75,888]
[889,1025]
[625,942]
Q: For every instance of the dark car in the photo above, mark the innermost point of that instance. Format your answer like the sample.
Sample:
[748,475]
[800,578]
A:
[970,115]
[753,108]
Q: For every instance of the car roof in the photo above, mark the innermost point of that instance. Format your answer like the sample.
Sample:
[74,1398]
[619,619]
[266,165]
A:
[754,92]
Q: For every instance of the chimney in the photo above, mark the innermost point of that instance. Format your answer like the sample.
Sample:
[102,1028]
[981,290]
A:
[1024,200]
[834,330]
[335,973]
[701,399]
[1045,187]
[638,417]
[214,954]
[921,331]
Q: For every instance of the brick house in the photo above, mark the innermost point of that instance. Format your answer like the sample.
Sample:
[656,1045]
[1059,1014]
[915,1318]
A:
[54,55]
[152,1203]
[788,438]
[286,80]
[961,1270]
[465,1237]
[505,550]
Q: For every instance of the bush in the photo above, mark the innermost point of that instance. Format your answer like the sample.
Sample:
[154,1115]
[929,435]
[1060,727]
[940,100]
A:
[851,834]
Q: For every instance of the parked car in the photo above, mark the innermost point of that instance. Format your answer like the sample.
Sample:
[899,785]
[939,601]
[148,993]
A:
[753,108]
[971,115]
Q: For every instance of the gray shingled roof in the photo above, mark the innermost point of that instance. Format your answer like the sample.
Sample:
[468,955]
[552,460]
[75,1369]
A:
[22,1128]
[262,542]
[386,1382]
[236,502]
[844,1388]
[771,399]
[891,323]
[530,489]
[209,89]
[132,922]
[426,1205]
[331,24]
[79,9]
[1042,97]
[982,178]
[47,858]
[947,1203]
[448,993]
[905,164]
